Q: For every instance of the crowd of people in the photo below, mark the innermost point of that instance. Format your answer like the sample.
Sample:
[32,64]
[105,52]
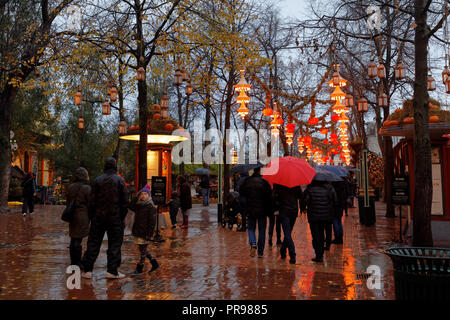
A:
[101,207]
[322,201]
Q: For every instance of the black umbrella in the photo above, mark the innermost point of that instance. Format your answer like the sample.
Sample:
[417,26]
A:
[324,175]
[245,167]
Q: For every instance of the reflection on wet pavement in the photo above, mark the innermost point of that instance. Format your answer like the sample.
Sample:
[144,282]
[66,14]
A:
[204,261]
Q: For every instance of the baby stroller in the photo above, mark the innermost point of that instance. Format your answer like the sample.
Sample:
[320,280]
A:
[232,211]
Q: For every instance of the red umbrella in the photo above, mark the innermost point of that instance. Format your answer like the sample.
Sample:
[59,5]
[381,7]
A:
[289,172]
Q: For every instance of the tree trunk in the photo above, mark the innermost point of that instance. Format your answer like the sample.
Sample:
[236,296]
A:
[388,175]
[423,188]
[6,105]
[228,104]
[121,110]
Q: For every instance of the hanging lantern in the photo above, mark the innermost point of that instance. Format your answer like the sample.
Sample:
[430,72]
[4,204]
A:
[447,85]
[363,105]
[267,112]
[337,94]
[348,102]
[323,131]
[313,121]
[307,140]
[372,69]
[339,107]
[242,98]
[335,142]
[381,71]
[399,71]
[243,111]
[383,100]
[235,158]
[275,112]
[336,77]
[431,83]
[141,74]
[189,89]
[279,121]
[78,97]
[445,74]
[344,118]
[334,117]
[106,108]
[289,141]
[333,136]
[326,141]
[290,128]
[242,85]
[81,123]
[122,127]
[113,94]
[178,77]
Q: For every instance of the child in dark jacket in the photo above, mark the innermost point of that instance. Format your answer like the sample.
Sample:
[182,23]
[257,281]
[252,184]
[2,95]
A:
[174,206]
[143,227]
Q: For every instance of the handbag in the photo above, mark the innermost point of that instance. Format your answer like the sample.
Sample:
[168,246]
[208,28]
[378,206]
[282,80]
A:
[69,211]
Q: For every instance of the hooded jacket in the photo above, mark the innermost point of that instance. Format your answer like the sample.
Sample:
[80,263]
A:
[286,199]
[319,199]
[184,194]
[258,196]
[109,195]
[144,218]
[29,186]
[80,191]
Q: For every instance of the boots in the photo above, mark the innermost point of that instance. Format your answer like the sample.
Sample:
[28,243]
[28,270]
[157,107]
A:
[153,262]
[139,269]
[185,222]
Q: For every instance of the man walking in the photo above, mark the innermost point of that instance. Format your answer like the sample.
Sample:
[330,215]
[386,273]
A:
[204,184]
[258,206]
[107,210]
[287,204]
[319,199]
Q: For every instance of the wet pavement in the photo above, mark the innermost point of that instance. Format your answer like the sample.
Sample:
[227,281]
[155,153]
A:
[202,262]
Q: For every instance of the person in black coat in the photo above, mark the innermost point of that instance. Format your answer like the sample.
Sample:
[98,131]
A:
[286,203]
[29,189]
[79,191]
[184,193]
[258,206]
[204,184]
[342,193]
[143,227]
[108,207]
[319,200]
[242,177]
[174,207]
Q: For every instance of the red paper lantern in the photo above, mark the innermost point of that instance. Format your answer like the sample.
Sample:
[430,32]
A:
[326,141]
[324,131]
[290,127]
[333,136]
[267,112]
[334,117]
[313,121]
[307,139]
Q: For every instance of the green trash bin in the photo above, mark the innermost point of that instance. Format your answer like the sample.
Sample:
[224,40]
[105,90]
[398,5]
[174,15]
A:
[421,273]
[366,214]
